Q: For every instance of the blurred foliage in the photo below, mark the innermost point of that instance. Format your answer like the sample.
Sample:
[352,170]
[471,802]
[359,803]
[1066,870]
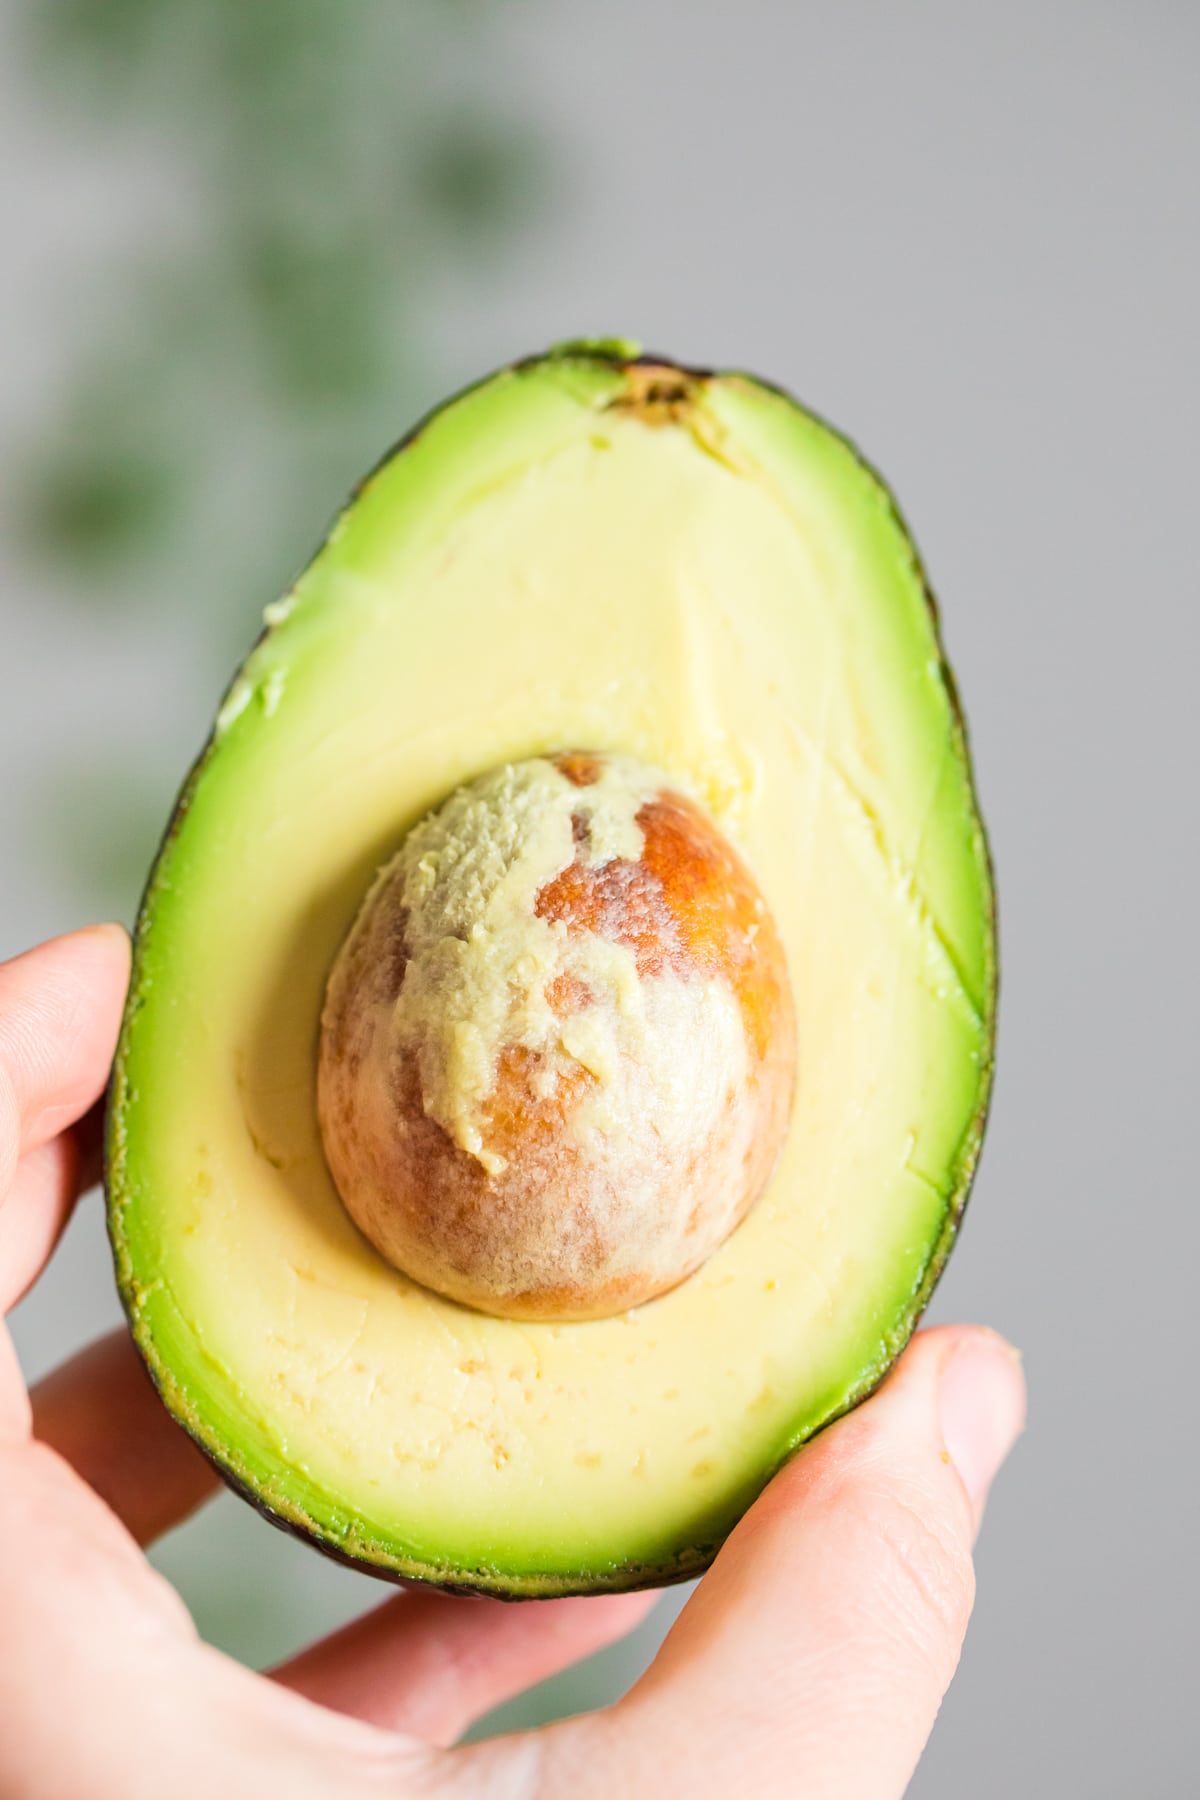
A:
[332,159]
[326,167]
[331,165]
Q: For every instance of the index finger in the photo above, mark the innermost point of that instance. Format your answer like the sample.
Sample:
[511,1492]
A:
[60,1010]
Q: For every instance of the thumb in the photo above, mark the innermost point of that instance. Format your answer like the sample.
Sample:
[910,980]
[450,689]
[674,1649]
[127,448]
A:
[813,1657]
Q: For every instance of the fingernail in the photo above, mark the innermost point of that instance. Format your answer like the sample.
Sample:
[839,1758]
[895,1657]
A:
[981,1402]
[108,929]
[109,933]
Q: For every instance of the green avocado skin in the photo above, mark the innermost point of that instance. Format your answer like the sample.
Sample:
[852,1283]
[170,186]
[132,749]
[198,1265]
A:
[656,384]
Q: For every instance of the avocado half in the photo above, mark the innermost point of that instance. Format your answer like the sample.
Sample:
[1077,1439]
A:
[590,549]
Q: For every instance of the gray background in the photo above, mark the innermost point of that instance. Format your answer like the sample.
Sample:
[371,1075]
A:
[970,236]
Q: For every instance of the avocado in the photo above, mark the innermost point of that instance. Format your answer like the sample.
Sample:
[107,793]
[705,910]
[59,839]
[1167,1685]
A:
[592,560]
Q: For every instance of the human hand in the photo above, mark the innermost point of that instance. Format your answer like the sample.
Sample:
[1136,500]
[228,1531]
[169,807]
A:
[810,1661]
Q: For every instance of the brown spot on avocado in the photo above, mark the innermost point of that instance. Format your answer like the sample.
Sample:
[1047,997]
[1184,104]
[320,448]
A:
[581,767]
[656,394]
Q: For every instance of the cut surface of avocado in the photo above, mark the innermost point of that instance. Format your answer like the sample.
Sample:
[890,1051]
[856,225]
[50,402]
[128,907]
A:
[584,551]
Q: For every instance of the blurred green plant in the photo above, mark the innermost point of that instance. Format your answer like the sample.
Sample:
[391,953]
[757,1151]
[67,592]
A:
[332,163]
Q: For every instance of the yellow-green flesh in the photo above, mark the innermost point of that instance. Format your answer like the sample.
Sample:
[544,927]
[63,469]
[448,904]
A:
[732,600]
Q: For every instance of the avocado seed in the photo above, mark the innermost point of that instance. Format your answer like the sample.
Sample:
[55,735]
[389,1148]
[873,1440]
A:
[558,1046]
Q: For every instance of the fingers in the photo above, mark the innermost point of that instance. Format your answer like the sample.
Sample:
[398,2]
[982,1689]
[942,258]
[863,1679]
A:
[100,1412]
[816,1651]
[14,1401]
[39,1204]
[838,1609]
[60,1009]
[88,1136]
[429,1664]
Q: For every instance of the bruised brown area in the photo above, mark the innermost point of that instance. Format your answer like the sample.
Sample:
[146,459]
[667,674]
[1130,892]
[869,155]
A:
[656,394]
[549,1224]
[689,904]
[617,900]
[455,1224]
[581,767]
[523,1111]
[566,994]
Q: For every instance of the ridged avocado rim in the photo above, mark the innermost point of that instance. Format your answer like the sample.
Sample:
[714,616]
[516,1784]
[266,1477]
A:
[625,358]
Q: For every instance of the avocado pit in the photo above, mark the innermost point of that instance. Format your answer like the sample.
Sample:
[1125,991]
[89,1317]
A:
[558,1046]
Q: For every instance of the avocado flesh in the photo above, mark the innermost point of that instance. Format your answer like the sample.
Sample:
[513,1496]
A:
[578,552]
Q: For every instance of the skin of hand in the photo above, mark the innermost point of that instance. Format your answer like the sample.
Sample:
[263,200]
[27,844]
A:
[810,1661]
